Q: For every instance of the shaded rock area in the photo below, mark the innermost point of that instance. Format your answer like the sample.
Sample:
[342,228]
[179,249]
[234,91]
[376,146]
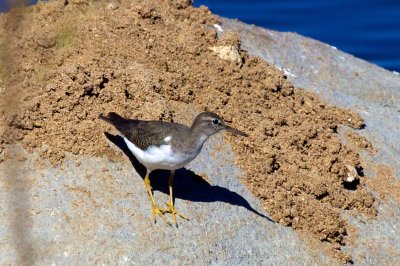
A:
[74,195]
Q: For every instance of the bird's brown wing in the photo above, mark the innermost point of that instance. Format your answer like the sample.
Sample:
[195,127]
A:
[143,133]
[148,133]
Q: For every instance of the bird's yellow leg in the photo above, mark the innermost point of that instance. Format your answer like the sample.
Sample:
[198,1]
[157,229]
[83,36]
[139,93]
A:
[154,208]
[171,209]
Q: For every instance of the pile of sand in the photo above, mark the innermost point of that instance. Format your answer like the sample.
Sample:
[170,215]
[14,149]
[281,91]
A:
[64,62]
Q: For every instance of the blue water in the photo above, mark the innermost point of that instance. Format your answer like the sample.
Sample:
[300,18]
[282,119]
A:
[369,29]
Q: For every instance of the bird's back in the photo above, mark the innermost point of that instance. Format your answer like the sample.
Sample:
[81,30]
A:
[145,133]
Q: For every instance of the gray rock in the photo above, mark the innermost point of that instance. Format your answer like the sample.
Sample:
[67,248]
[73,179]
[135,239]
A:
[78,214]
[92,211]
[338,77]
[349,82]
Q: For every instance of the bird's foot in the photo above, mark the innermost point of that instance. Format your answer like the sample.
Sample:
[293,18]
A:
[160,212]
[171,210]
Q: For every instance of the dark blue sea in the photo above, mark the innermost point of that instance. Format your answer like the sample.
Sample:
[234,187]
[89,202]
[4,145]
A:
[369,29]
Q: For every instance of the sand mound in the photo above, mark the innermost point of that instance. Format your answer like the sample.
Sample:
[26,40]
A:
[63,63]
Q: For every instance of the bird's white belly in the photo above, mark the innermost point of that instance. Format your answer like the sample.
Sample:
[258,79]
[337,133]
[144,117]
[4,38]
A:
[159,157]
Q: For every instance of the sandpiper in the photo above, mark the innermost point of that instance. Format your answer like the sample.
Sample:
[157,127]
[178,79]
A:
[167,146]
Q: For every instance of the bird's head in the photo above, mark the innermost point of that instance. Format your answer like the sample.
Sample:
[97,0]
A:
[210,123]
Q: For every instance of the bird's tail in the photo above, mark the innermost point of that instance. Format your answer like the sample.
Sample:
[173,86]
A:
[117,121]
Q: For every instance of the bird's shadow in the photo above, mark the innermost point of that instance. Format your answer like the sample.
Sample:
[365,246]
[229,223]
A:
[187,185]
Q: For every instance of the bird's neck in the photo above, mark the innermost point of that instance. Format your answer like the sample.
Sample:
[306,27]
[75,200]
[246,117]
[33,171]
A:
[197,138]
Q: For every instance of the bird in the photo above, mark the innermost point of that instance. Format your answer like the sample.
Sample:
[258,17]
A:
[167,146]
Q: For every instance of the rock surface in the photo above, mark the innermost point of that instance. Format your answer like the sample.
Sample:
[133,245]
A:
[91,210]
[339,77]
[105,217]
[350,82]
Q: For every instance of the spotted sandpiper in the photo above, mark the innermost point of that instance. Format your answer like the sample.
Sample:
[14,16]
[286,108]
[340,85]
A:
[167,146]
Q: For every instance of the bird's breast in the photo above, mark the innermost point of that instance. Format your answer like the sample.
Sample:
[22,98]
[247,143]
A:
[160,157]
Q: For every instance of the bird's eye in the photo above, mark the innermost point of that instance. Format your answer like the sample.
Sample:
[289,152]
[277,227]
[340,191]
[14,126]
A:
[215,121]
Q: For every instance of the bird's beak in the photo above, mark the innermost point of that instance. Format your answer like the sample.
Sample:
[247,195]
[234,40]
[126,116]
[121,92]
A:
[235,131]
